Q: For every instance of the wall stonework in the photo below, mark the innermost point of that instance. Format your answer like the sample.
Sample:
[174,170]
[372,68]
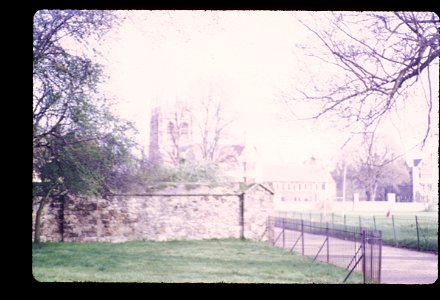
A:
[194,214]
[256,211]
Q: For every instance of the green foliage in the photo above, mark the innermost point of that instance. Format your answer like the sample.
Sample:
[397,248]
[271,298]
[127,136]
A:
[195,171]
[81,168]
[373,167]
[80,147]
[244,186]
[63,82]
[213,260]
[37,189]
[86,167]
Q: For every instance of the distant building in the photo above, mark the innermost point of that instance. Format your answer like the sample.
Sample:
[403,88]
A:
[164,122]
[425,179]
[243,165]
[173,140]
[425,170]
[307,182]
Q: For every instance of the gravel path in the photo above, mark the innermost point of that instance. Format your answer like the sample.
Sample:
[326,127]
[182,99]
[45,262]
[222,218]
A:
[399,266]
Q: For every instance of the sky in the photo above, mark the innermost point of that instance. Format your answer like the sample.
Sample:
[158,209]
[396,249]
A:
[251,57]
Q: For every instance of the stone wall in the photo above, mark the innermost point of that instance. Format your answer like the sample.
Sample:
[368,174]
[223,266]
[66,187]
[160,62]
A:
[258,205]
[184,214]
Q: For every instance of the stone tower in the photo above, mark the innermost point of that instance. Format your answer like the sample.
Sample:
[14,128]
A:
[170,132]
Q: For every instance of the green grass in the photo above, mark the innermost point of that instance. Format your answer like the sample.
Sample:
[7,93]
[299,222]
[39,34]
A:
[208,261]
[404,233]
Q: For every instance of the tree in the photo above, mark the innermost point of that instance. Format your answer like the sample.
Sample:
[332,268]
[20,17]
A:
[377,57]
[84,168]
[63,82]
[338,174]
[396,175]
[196,129]
[212,124]
[79,147]
[371,165]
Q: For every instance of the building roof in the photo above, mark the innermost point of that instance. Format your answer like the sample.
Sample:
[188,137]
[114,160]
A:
[295,173]
[230,153]
[253,186]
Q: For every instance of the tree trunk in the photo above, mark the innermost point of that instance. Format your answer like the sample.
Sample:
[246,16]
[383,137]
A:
[37,232]
[374,191]
[61,220]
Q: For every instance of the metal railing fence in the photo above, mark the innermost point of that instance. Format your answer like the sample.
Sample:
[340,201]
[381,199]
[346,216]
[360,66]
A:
[351,247]
[407,231]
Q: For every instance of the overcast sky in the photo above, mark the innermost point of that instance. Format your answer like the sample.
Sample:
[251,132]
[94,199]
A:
[251,56]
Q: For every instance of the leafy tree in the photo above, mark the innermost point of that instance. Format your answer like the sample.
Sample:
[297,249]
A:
[79,147]
[395,175]
[63,82]
[372,165]
[375,59]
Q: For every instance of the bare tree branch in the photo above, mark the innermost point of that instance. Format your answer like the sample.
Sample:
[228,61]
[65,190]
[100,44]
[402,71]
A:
[376,68]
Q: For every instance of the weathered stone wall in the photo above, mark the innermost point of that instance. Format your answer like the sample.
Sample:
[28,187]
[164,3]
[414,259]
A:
[256,210]
[50,220]
[159,216]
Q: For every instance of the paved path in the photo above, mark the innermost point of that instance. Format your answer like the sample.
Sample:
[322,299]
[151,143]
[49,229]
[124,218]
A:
[399,266]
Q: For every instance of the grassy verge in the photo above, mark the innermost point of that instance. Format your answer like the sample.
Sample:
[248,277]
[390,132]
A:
[208,261]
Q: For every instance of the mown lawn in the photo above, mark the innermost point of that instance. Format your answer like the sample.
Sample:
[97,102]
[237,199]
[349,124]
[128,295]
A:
[208,261]
[401,233]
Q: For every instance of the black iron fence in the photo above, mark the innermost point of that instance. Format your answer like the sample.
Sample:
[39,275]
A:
[356,249]
[408,231]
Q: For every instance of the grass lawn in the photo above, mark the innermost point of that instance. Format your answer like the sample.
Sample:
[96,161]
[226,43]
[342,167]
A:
[402,233]
[208,261]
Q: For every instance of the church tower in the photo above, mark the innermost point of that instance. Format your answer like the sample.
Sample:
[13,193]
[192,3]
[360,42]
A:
[170,133]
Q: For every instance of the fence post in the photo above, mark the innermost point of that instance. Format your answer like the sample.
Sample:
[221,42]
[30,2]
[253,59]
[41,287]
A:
[241,199]
[418,240]
[310,213]
[380,255]
[371,241]
[354,239]
[360,222]
[302,237]
[333,218]
[394,231]
[374,221]
[363,254]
